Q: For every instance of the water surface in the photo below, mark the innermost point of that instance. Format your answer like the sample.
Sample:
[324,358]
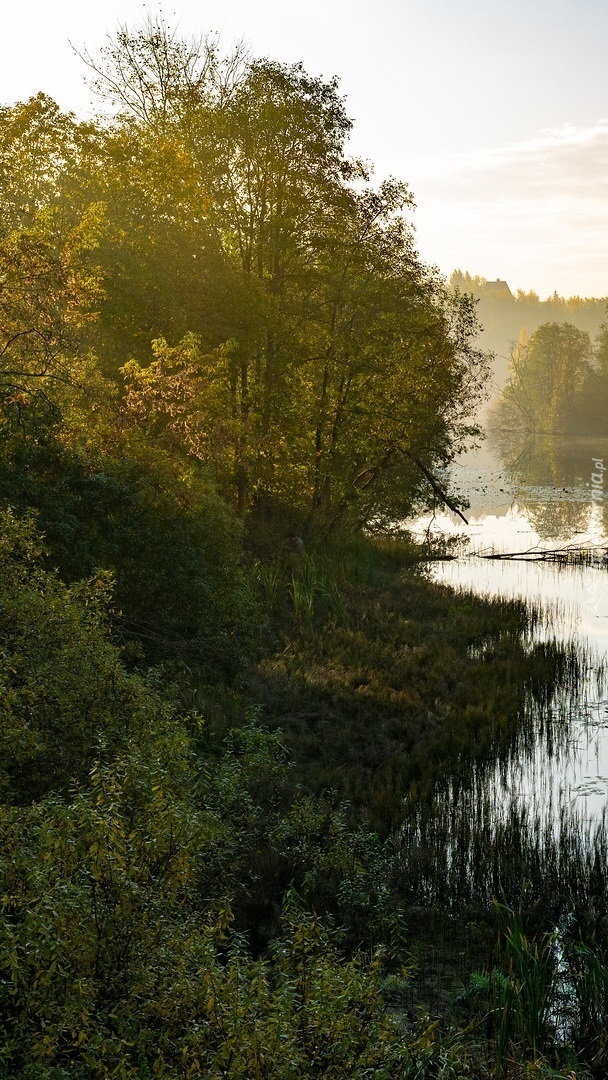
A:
[527,498]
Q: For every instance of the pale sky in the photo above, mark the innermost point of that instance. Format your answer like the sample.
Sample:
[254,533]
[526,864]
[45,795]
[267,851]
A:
[495,113]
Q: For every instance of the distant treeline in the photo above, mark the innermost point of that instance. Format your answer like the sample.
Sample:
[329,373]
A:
[506,316]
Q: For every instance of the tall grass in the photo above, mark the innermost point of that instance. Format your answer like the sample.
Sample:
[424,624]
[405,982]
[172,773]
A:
[304,589]
[529,991]
[308,587]
[546,999]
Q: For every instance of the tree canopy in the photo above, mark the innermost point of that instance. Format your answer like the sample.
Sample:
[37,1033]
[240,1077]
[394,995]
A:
[259,304]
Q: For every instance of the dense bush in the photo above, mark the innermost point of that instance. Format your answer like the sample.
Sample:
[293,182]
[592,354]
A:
[171,544]
[118,954]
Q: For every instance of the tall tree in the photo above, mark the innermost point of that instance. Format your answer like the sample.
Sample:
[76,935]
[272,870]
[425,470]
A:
[340,360]
[49,283]
[546,377]
[39,148]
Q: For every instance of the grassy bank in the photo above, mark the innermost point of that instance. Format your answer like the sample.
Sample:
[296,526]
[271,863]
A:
[386,685]
[397,700]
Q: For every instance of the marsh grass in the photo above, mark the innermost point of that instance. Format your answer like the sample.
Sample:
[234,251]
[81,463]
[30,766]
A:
[268,578]
[588,985]
[304,591]
[386,684]
[413,705]
[543,999]
[307,588]
[525,997]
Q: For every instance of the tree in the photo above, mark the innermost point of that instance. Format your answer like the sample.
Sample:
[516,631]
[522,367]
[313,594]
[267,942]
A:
[49,284]
[66,697]
[397,375]
[277,147]
[592,403]
[547,375]
[164,268]
[152,76]
[39,148]
[345,329]
[375,389]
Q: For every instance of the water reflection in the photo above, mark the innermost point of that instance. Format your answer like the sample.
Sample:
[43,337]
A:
[527,496]
[552,479]
[546,480]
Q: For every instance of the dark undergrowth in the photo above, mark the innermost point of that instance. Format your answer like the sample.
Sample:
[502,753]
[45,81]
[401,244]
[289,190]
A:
[385,684]
[304,873]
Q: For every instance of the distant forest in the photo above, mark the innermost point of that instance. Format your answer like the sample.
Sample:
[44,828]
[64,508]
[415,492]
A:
[509,318]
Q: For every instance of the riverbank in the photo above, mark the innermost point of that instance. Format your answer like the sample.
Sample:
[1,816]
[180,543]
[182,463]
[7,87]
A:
[384,683]
[398,700]
[296,873]
[404,699]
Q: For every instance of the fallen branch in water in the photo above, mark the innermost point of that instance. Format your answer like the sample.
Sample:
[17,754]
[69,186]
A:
[576,555]
[433,558]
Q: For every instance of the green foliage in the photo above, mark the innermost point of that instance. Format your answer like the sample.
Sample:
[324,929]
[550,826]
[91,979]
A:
[525,998]
[39,145]
[343,870]
[302,347]
[101,910]
[312,585]
[175,549]
[208,314]
[171,544]
[545,994]
[586,988]
[65,694]
[117,894]
[49,285]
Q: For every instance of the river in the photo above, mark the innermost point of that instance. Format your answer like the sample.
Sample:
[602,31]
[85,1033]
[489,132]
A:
[525,498]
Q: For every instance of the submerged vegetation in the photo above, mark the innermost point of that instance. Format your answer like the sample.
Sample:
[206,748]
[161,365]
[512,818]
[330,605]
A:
[248,824]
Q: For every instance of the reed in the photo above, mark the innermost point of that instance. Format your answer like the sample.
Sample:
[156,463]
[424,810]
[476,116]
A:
[268,579]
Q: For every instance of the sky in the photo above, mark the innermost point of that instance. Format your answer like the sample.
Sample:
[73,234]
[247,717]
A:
[495,113]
